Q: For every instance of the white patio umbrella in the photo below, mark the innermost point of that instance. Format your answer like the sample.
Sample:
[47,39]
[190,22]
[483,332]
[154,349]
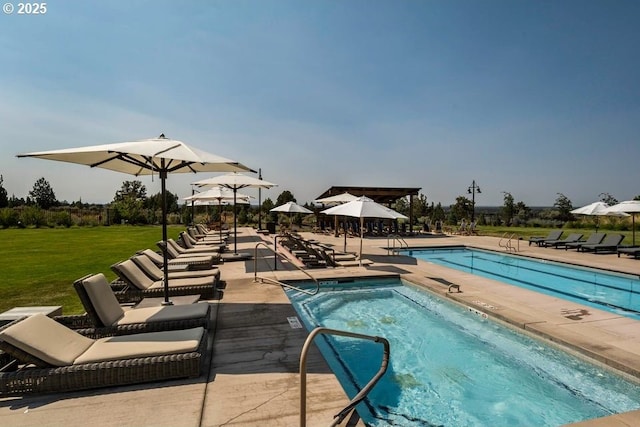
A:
[596,209]
[234,181]
[336,200]
[291,208]
[217,194]
[631,207]
[160,156]
[363,207]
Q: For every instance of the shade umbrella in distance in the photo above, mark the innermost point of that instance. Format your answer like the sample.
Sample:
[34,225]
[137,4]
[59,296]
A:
[631,207]
[337,200]
[596,209]
[234,181]
[363,207]
[156,156]
[219,195]
[291,208]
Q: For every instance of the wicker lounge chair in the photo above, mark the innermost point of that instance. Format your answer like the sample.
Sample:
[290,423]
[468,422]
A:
[154,272]
[571,238]
[539,240]
[49,357]
[174,250]
[141,286]
[593,239]
[609,244]
[182,262]
[109,318]
[633,251]
[189,242]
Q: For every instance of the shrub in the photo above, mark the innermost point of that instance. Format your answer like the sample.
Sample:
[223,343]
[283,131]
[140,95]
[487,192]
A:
[8,218]
[33,216]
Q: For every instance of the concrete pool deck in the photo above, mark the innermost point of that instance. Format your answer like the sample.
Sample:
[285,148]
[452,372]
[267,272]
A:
[255,352]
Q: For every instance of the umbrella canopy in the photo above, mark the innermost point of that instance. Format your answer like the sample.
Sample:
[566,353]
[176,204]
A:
[234,181]
[363,207]
[291,208]
[337,199]
[596,209]
[629,207]
[221,195]
[160,156]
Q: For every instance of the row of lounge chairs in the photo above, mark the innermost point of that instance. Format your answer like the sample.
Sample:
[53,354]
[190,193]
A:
[596,242]
[314,254]
[112,344]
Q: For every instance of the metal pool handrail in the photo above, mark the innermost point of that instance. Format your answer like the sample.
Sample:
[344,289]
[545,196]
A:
[508,246]
[395,237]
[340,416]
[277,282]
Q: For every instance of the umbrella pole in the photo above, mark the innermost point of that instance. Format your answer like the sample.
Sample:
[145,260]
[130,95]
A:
[344,228]
[235,223]
[361,237]
[163,179]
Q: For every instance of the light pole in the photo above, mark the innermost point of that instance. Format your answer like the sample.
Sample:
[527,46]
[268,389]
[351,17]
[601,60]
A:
[473,189]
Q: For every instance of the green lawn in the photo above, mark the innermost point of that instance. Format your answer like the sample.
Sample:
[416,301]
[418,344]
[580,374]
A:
[39,265]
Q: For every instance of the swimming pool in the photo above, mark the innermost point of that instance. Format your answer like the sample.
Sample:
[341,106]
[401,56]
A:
[617,293]
[451,367]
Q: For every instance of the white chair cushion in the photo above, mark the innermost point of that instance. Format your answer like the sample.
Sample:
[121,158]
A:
[165,313]
[47,340]
[103,299]
[142,345]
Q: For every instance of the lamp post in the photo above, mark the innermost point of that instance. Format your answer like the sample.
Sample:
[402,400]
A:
[473,189]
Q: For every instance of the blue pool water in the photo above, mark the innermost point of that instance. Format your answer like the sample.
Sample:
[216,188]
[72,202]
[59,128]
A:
[617,293]
[450,366]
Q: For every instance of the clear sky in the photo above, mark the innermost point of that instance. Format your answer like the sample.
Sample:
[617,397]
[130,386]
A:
[532,97]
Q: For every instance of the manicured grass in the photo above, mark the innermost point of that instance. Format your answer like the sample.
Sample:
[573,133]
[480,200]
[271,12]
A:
[39,265]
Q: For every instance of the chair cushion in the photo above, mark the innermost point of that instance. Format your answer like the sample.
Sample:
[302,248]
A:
[142,345]
[103,299]
[164,313]
[135,275]
[193,281]
[47,340]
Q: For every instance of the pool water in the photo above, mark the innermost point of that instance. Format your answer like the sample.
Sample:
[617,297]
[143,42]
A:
[617,293]
[451,367]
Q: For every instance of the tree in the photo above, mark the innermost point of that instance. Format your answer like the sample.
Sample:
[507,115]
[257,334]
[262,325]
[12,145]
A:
[608,199]
[43,194]
[523,212]
[461,209]
[4,200]
[508,210]
[564,206]
[285,197]
[128,203]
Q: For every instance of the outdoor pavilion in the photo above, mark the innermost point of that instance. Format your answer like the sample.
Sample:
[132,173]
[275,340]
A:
[383,195]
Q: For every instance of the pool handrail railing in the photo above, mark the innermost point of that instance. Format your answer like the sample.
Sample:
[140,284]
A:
[277,282]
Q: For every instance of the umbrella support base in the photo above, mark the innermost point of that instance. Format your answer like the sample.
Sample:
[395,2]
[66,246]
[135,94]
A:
[240,256]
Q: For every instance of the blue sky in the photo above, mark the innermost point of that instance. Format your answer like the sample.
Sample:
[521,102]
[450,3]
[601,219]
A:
[530,97]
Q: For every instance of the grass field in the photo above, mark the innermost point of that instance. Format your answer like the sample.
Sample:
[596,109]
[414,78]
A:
[39,265]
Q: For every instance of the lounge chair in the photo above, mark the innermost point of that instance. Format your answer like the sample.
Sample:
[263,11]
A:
[141,286]
[629,250]
[199,262]
[539,240]
[49,357]
[109,318]
[571,238]
[609,244]
[174,250]
[593,239]
[189,242]
[156,273]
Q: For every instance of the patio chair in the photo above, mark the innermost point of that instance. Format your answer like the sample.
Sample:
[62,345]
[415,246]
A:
[571,238]
[182,262]
[609,244]
[174,250]
[539,240]
[49,357]
[189,242]
[629,250]
[593,239]
[140,286]
[156,273]
[109,318]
